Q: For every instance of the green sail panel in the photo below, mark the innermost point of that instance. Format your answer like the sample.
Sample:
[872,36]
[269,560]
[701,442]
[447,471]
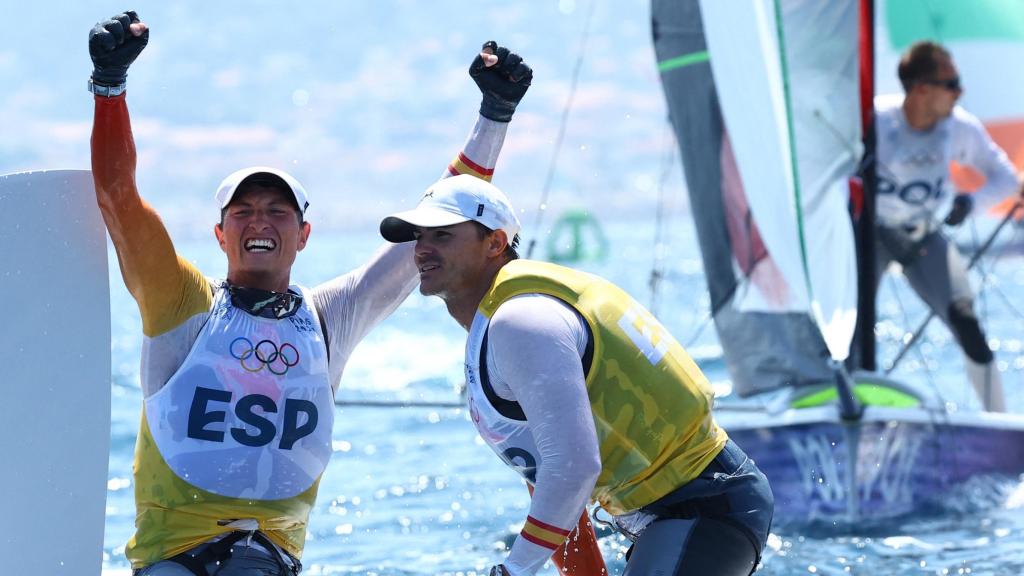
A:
[953,20]
[682,61]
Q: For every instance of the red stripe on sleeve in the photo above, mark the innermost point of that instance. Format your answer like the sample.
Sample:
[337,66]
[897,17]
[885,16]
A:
[545,526]
[475,166]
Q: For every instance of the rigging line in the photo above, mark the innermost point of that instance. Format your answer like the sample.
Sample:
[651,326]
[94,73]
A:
[986,267]
[985,275]
[658,268]
[542,205]
[981,308]
[929,375]
[986,270]
[660,245]
[994,287]
[974,260]
[1006,301]
[843,141]
[921,357]
[894,288]
[699,331]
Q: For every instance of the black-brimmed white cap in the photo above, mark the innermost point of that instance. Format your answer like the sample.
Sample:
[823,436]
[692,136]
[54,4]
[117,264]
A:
[451,201]
[226,190]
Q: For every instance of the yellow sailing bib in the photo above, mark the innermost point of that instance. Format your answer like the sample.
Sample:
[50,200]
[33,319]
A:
[650,401]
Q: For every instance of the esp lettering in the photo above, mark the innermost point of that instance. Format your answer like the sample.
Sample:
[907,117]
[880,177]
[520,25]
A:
[202,415]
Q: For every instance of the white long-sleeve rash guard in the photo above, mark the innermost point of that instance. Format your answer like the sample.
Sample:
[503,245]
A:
[913,165]
[534,351]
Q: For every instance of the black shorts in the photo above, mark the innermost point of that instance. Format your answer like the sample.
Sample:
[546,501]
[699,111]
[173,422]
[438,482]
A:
[718,523]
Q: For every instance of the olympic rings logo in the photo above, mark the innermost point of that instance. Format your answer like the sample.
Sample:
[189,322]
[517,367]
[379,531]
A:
[265,353]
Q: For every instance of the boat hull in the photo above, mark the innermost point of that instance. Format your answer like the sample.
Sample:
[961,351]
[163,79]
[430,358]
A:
[891,462]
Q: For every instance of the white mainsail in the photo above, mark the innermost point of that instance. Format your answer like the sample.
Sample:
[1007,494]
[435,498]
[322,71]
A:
[790,105]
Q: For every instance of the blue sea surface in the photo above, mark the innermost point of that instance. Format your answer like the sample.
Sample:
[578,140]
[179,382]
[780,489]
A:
[412,490]
[366,103]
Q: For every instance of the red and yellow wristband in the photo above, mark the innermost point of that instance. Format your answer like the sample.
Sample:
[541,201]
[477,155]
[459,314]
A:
[463,165]
[542,534]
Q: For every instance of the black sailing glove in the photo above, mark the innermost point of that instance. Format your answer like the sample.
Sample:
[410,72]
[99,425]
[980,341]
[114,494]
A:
[113,48]
[502,84]
[962,206]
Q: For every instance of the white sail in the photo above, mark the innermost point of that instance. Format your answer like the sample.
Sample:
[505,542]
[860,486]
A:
[789,103]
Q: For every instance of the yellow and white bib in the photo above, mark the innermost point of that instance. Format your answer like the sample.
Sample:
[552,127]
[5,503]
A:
[650,401]
[241,431]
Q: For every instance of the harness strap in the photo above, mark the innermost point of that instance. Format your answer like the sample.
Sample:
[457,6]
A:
[219,551]
[192,564]
[710,507]
[216,552]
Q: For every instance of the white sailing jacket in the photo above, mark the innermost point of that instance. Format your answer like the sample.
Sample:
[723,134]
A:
[914,187]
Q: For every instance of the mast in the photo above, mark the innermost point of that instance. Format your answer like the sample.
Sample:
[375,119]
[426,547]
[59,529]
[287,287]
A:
[864,223]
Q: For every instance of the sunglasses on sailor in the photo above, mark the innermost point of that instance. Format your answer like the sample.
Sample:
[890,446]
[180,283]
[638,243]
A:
[951,84]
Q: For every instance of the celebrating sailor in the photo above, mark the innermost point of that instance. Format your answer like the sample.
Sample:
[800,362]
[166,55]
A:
[238,375]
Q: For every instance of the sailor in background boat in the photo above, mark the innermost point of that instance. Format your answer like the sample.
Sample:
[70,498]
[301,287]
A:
[579,389]
[238,376]
[918,135]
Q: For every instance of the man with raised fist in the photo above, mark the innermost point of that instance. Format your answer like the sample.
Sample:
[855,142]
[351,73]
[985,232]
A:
[238,375]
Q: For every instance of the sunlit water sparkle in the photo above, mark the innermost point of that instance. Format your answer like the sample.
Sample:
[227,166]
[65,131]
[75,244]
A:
[413,491]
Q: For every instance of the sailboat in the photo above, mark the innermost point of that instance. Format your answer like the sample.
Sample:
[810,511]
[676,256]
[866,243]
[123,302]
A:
[769,100]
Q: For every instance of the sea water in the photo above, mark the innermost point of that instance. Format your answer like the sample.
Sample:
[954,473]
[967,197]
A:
[412,490]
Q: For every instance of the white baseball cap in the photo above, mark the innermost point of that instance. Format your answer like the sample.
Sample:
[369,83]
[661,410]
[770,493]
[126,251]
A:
[451,201]
[226,190]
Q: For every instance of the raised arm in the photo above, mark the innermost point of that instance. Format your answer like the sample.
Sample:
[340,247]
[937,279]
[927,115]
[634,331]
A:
[503,79]
[151,269]
[356,302]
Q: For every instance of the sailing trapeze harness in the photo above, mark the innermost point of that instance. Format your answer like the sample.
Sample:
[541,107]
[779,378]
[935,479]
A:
[221,550]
